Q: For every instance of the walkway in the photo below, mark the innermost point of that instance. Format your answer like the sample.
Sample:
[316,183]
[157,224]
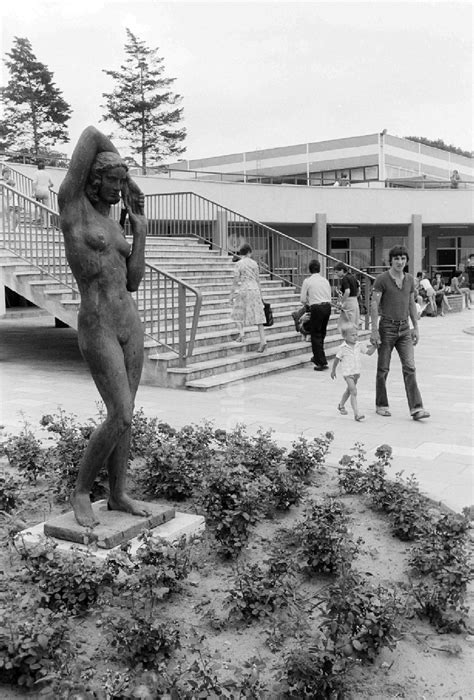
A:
[41,369]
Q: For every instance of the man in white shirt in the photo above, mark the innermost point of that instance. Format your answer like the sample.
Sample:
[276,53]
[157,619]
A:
[316,293]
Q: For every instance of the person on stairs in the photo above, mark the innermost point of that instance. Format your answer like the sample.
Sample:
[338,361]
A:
[246,296]
[316,293]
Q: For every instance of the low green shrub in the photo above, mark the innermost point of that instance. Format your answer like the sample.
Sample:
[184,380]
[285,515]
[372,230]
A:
[33,646]
[139,641]
[67,581]
[64,458]
[9,493]
[442,558]
[25,453]
[351,473]
[359,618]
[305,456]
[233,502]
[260,592]
[313,670]
[321,541]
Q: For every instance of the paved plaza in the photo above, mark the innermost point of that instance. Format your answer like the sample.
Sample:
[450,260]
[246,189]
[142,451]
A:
[41,369]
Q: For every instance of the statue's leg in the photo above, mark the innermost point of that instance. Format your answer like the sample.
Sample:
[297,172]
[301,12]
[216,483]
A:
[118,461]
[105,358]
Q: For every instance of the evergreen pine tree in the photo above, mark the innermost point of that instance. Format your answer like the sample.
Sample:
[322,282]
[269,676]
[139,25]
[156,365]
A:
[143,106]
[35,113]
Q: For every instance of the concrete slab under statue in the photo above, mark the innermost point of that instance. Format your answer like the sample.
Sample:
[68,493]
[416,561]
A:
[115,529]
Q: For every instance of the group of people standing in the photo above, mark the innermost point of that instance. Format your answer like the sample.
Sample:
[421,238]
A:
[392,306]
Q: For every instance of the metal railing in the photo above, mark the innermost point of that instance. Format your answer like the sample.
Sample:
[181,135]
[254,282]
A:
[165,302]
[282,257]
[425,183]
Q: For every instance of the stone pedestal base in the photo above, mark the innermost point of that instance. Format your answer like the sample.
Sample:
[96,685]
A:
[115,529]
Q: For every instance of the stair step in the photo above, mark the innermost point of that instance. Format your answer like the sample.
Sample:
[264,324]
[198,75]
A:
[221,381]
[250,357]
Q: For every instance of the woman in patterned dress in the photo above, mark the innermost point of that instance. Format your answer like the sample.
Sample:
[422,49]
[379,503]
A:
[246,296]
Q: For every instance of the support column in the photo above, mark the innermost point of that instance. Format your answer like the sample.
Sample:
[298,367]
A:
[220,231]
[415,244]
[319,238]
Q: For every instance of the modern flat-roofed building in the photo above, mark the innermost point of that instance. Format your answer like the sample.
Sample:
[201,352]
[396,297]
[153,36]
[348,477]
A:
[369,159]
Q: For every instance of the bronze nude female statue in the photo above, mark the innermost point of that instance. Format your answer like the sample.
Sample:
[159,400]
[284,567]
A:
[110,334]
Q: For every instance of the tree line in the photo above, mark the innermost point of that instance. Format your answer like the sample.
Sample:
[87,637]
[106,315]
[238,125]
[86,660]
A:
[142,105]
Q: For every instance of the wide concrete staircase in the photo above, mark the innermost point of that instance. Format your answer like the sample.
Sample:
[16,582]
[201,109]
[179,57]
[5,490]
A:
[217,359]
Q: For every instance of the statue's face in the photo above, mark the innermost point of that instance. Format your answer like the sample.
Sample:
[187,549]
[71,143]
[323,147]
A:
[112,183]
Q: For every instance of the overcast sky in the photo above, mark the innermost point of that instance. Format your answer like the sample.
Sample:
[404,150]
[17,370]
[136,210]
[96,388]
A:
[262,74]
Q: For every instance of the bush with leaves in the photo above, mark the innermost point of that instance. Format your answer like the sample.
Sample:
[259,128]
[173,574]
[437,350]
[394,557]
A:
[172,560]
[313,670]
[359,618]
[442,554]
[285,490]
[25,453]
[141,641]
[351,473]
[259,592]
[306,456]
[67,581]
[141,583]
[401,498]
[167,471]
[34,644]
[175,463]
[233,502]
[9,493]
[321,541]
[142,434]
[63,459]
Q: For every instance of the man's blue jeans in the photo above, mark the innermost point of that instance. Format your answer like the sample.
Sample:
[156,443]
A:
[396,334]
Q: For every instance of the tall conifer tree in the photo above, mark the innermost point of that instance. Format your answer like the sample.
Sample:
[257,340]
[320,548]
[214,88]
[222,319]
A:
[35,113]
[143,106]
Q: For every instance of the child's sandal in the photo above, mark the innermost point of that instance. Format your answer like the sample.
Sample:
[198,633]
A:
[342,410]
[359,418]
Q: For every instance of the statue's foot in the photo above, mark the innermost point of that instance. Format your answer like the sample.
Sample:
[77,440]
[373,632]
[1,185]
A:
[82,507]
[128,505]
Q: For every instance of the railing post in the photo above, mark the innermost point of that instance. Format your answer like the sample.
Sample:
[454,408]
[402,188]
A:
[182,325]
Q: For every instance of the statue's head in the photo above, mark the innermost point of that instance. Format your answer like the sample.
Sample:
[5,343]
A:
[103,162]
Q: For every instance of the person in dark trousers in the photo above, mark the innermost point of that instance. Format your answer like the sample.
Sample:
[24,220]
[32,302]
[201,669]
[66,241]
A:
[394,299]
[316,293]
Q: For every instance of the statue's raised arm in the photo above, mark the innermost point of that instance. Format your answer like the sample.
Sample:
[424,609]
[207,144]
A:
[90,144]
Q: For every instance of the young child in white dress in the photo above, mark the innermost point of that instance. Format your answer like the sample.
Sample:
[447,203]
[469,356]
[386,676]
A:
[348,355]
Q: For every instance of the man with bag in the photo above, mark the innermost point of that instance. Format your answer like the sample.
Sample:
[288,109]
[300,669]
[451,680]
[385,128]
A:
[316,293]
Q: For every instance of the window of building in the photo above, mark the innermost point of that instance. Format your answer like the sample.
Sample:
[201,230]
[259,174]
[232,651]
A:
[340,244]
[357,174]
[371,172]
[329,177]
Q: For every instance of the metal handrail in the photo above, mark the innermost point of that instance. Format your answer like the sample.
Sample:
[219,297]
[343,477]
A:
[24,184]
[162,298]
[282,257]
[425,183]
